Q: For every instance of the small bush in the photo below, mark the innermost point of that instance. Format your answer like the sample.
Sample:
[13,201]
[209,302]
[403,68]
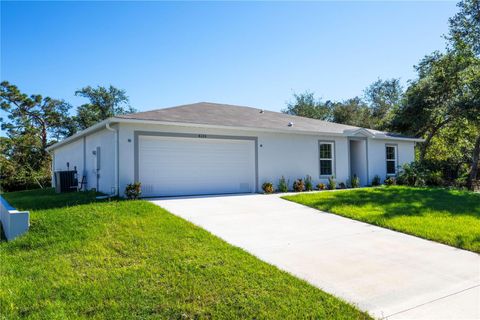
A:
[133,190]
[413,174]
[321,186]
[355,181]
[308,183]
[376,181]
[283,185]
[342,185]
[460,182]
[267,187]
[332,184]
[390,181]
[298,185]
[435,178]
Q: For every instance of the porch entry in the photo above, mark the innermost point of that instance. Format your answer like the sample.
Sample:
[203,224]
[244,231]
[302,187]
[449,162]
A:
[359,160]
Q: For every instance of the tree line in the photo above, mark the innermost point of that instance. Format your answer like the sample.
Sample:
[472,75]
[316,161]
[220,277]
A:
[441,105]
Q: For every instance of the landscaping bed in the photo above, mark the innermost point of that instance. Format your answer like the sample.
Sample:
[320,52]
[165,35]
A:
[451,217]
[131,259]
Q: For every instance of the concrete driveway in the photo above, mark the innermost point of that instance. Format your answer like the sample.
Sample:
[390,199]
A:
[389,274]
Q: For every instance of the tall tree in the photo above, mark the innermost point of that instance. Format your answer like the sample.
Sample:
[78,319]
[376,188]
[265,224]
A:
[384,98]
[306,105]
[432,100]
[103,103]
[469,100]
[353,112]
[465,25]
[33,115]
[31,124]
[464,36]
[452,148]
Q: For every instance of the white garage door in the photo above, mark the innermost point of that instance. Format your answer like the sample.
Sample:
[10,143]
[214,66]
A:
[171,166]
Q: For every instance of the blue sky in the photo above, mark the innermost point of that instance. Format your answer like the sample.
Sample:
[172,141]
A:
[252,53]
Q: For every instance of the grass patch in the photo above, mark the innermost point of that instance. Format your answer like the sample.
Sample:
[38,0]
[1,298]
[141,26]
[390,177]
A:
[448,216]
[132,259]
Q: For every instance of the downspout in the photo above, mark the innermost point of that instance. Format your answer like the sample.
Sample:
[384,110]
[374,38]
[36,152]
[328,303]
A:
[52,168]
[115,153]
[368,161]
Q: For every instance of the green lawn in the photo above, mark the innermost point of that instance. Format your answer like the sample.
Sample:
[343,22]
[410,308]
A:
[447,216]
[132,259]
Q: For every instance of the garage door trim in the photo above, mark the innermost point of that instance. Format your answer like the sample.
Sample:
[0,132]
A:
[137,134]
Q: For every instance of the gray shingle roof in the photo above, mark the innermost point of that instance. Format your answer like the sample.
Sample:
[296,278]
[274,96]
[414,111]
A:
[215,114]
[208,113]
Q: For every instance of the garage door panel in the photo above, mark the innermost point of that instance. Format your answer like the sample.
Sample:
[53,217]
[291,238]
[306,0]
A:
[188,166]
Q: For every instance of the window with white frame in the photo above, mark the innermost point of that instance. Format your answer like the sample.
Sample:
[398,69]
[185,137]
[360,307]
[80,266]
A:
[326,158]
[391,156]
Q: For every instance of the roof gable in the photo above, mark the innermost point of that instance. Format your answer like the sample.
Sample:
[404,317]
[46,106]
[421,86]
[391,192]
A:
[360,132]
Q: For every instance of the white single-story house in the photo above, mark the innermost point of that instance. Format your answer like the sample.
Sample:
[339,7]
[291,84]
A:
[210,148]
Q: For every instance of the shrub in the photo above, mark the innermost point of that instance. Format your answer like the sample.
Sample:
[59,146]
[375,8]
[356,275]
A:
[267,187]
[17,179]
[133,190]
[390,181]
[10,184]
[413,174]
[298,185]
[376,181]
[460,182]
[321,186]
[355,181]
[418,174]
[435,178]
[308,183]
[332,184]
[448,170]
[342,185]
[282,185]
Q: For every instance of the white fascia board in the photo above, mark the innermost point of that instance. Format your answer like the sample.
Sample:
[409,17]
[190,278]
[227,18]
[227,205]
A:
[387,137]
[400,139]
[209,126]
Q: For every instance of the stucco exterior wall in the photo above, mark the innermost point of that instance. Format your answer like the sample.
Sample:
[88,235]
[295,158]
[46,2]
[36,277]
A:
[293,156]
[79,153]
[377,161]
[71,153]
[106,181]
